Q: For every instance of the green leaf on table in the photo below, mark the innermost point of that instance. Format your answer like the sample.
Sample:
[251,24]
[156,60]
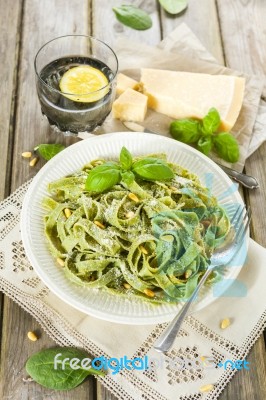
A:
[125,159]
[103,177]
[60,368]
[133,17]
[174,6]
[152,169]
[211,122]
[205,144]
[48,151]
[185,130]
[226,146]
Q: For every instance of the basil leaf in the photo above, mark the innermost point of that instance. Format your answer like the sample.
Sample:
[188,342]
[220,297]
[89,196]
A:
[185,130]
[41,367]
[152,169]
[205,144]
[133,17]
[125,159]
[211,121]
[48,151]
[128,177]
[174,6]
[226,146]
[103,177]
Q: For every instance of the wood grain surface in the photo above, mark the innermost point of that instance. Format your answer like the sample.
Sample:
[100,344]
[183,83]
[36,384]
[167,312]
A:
[232,30]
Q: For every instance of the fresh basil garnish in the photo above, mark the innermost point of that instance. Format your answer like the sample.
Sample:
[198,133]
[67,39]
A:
[41,367]
[211,122]
[185,130]
[205,144]
[103,177]
[174,6]
[226,147]
[48,151]
[152,169]
[125,159]
[128,177]
[133,17]
[204,134]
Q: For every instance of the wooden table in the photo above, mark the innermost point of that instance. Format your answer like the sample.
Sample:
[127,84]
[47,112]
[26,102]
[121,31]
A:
[232,30]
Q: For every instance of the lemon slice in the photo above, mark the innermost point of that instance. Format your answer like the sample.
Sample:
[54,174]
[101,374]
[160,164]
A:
[84,84]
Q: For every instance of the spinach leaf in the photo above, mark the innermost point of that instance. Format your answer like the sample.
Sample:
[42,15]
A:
[205,144]
[211,122]
[226,146]
[60,375]
[125,159]
[133,17]
[103,177]
[48,151]
[152,169]
[174,6]
[185,130]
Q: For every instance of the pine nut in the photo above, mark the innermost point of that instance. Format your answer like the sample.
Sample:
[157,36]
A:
[67,212]
[130,214]
[33,162]
[32,336]
[173,188]
[127,286]
[225,323]
[133,197]
[149,293]
[26,154]
[168,238]
[206,388]
[143,250]
[188,273]
[60,262]
[99,224]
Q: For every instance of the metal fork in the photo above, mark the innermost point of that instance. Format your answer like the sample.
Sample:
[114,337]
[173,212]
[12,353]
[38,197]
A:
[221,257]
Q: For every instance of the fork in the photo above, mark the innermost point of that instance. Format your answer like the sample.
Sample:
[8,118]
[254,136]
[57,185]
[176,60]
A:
[221,257]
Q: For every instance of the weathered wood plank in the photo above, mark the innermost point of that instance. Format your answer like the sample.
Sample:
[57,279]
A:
[106,27]
[201,17]
[244,35]
[42,21]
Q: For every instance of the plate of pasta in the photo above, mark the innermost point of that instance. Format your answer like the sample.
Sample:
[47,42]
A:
[125,234]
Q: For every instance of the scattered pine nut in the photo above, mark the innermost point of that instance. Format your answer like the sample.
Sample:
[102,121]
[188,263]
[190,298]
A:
[149,293]
[127,285]
[67,212]
[60,262]
[130,214]
[188,273]
[168,238]
[26,154]
[133,197]
[206,388]
[99,224]
[143,250]
[225,323]
[173,188]
[32,336]
[33,162]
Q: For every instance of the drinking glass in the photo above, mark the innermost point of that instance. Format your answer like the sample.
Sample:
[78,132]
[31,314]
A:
[70,112]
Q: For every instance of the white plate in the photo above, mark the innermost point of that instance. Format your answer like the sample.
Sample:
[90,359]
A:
[96,302]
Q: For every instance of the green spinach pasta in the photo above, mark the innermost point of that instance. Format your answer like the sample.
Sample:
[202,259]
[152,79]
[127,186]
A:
[141,236]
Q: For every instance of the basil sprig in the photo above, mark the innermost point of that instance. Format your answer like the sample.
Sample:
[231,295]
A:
[174,6]
[48,151]
[105,176]
[133,17]
[67,375]
[205,136]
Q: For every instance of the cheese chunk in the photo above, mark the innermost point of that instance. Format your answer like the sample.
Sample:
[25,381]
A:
[130,106]
[125,82]
[188,95]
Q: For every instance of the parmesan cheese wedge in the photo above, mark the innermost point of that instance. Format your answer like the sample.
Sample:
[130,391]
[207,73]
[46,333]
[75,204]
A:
[191,95]
[130,106]
[125,82]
